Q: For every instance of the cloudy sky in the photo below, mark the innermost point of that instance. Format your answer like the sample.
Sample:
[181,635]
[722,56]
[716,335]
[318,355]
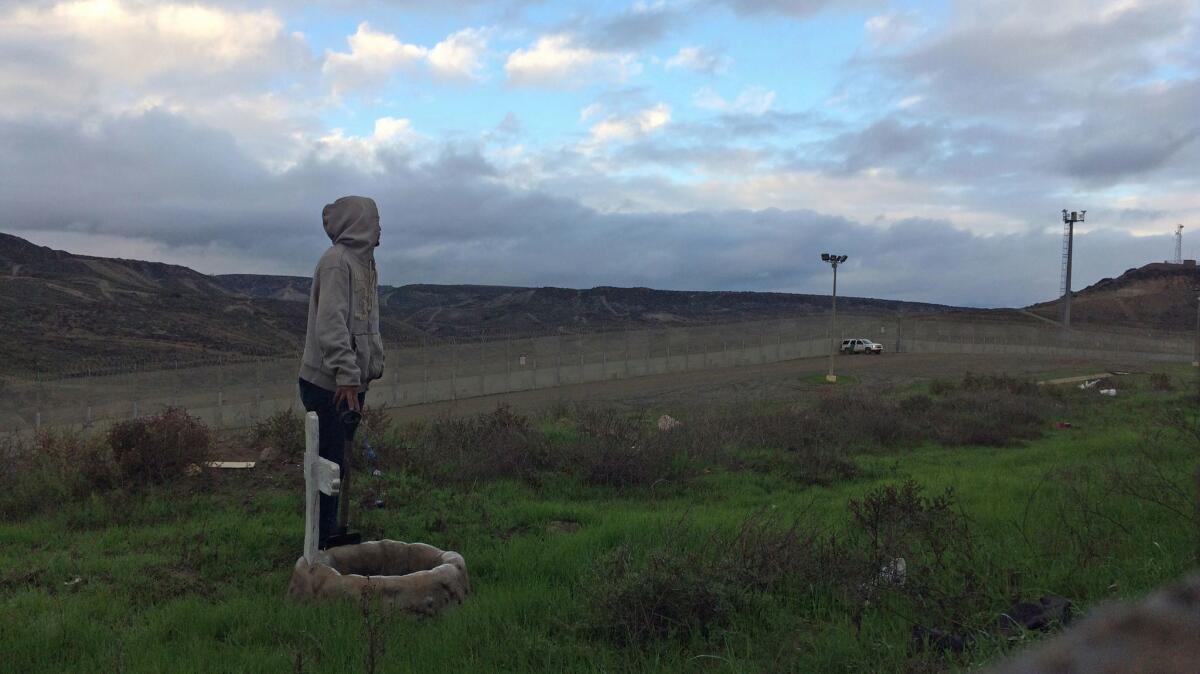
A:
[684,144]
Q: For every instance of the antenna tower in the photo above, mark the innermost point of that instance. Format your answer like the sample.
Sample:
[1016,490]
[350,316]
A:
[1178,244]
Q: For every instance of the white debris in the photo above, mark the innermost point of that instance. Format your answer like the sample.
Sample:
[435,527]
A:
[894,571]
[1108,392]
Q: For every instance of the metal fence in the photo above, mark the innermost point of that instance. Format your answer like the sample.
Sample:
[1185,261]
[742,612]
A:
[234,395]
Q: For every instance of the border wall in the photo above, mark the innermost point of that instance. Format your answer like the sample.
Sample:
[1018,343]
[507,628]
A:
[236,395]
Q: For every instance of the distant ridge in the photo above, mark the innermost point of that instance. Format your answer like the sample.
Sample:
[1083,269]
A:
[1157,295]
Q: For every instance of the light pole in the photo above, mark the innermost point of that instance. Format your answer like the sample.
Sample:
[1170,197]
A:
[833,260]
[1069,219]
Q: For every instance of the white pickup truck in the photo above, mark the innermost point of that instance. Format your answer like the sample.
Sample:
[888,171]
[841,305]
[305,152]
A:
[851,346]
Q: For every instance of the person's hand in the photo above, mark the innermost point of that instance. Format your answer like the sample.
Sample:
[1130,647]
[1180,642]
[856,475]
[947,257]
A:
[347,397]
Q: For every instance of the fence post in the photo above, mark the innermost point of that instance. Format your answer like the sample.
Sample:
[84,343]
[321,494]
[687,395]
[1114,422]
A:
[453,369]
[508,364]
[220,391]
[626,353]
[395,382]
[558,361]
[481,367]
[257,389]
[425,371]
[39,399]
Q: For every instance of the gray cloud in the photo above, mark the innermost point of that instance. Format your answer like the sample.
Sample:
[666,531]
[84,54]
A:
[449,219]
[793,8]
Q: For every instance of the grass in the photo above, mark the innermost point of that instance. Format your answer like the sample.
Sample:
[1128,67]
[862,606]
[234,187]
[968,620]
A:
[190,577]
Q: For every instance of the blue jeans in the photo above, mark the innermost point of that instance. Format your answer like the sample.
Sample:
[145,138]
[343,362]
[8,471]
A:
[332,441]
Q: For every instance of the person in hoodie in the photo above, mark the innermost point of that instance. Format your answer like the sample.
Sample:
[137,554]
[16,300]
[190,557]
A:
[343,351]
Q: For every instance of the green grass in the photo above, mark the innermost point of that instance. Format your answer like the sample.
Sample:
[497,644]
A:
[182,580]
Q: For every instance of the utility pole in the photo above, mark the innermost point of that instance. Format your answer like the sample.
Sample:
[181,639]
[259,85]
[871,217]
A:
[833,260]
[1178,244]
[1069,219]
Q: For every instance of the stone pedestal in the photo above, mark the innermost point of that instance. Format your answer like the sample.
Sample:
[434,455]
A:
[411,577]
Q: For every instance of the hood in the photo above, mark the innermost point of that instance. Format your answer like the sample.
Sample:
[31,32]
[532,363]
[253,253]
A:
[353,222]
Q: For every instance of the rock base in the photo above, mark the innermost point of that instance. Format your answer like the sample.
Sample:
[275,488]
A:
[411,577]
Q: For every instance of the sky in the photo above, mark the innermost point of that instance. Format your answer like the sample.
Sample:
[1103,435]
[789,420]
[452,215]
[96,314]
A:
[676,144]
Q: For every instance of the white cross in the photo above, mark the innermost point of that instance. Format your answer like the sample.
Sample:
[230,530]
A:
[320,475]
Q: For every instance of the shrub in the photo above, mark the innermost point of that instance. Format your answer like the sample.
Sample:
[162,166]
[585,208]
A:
[672,592]
[159,448]
[1160,381]
[50,467]
[495,445]
[984,417]
[282,431]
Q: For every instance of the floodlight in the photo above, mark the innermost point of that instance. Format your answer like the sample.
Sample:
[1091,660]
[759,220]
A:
[825,257]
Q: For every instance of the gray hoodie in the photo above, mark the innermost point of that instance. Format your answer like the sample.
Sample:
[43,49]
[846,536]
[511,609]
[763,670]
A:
[343,347]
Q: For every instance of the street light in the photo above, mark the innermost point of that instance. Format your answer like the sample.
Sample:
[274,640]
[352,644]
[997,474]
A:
[1069,219]
[833,260]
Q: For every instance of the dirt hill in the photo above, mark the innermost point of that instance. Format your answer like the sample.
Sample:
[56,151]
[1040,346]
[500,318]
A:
[1157,295]
[62,312]
[469,310]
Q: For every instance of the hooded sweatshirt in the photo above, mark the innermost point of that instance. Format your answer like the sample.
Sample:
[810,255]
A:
[342,346]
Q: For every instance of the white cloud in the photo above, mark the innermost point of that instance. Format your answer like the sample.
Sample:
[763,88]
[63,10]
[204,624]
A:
[698,59]
[895,28]
[373,58]
[632,126]
[558,61]
[363,152]
[460,55]
[752,100]
[133,42]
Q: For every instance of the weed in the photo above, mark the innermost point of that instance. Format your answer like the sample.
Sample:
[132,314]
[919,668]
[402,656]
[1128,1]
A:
[1161,381]
[158,449]
[671,592]
[283,431]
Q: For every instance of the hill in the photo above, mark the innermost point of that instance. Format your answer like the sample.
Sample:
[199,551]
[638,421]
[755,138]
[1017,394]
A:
[469,310]
[1158,295]
[62,312]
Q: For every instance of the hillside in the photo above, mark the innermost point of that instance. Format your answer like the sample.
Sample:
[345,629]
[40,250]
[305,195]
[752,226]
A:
[468,310]
[1158,295]
[62,312]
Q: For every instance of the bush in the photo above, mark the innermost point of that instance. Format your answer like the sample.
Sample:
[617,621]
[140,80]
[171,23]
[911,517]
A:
[496,445]
[158,449]
[51,467]
[670,593]
[282,431]
[984,417]
[1160,381]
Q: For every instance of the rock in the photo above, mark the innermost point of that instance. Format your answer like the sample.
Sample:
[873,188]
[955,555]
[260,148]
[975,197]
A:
[1050,610]
[412,577]
[666,423]
[563,527]
[936,639]
[267,455]
[1159,634]
[192,470]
